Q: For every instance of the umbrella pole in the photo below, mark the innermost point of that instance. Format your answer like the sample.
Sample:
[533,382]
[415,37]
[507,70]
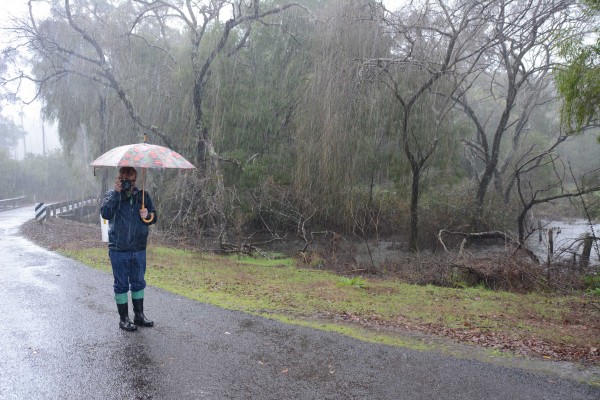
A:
[143,175]
[143,182]
[147,220]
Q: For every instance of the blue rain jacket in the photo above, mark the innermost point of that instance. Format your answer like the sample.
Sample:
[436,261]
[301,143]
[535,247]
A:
[126,230]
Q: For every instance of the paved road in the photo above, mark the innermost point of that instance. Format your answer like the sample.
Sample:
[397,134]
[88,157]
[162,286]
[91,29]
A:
[59,339]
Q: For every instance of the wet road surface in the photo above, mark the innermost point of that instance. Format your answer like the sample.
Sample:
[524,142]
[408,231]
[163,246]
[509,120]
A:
[59,339]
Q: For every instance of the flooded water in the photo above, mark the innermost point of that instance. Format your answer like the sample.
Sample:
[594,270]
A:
[567,235]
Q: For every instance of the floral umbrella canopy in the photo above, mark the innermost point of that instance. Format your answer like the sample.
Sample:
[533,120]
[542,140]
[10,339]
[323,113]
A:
[142,155]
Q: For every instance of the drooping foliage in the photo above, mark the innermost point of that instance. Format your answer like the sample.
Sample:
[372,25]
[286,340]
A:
[344,130]
[579,81]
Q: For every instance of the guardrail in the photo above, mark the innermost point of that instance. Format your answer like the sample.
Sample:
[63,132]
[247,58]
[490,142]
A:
[53,210]
[12,203]
[47,211]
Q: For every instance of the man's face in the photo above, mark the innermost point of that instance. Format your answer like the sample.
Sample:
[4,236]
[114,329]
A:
[131,176]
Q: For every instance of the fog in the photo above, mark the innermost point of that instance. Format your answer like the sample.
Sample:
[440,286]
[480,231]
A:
[26,115]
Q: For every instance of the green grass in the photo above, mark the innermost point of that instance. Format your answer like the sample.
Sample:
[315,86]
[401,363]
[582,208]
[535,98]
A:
[357,281]
[278,289]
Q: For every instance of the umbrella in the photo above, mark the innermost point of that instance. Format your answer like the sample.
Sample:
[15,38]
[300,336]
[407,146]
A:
[142,155]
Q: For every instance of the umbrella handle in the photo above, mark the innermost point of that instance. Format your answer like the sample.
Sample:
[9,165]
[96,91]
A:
[148,220]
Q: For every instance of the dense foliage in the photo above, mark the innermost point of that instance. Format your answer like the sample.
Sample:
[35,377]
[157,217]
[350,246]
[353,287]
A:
[579,80]
[323,117]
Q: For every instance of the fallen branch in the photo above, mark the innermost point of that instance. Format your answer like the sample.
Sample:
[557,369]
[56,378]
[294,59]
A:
[470,236]
[244,248]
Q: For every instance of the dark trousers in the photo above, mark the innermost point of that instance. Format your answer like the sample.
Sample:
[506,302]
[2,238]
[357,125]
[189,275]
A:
[129,268]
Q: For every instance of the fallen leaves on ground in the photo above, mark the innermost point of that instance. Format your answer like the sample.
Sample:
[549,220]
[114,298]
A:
[489,339]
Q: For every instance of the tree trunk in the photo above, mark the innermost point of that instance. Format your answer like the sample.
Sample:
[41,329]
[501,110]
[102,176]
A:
[201,131]
[207,160]
[521,223]
[587,250]
[481,192]
[414,212]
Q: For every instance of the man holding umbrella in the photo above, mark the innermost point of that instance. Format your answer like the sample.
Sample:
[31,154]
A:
[129,211]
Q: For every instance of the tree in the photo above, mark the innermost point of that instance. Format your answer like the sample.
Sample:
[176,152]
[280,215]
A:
[11,176]
[337,124]
[523,42]
[199,19]
[531,193]
[10,133]
[136,52]
[579,80]
[435,49]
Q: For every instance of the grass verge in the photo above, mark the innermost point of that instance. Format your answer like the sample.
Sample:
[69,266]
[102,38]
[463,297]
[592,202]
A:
[548,326]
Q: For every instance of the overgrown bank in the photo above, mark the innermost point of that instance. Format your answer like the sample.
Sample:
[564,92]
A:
[550,326]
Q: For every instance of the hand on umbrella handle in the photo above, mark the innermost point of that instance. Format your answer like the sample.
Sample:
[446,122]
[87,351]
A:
[144,213]
[144,210]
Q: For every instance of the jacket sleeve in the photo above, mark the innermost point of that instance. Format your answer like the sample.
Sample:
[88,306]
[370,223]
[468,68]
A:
[151,210]
[110,204]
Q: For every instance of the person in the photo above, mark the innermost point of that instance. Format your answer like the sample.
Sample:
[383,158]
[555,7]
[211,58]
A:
[127,240]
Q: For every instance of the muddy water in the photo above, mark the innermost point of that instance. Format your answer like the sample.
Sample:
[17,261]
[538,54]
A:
[567,236]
